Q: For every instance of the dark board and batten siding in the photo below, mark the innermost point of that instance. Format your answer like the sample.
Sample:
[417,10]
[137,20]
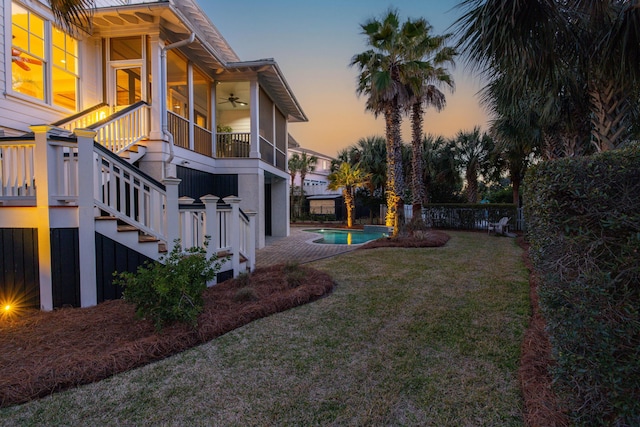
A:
[114,257]
[65,267]
[19,274]
[196,183]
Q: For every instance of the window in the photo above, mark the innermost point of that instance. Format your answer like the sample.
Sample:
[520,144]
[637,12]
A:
[201,99]
[44,60]
[177,89]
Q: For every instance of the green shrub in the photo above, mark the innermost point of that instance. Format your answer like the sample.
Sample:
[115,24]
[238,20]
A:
[170,290]
[583,217]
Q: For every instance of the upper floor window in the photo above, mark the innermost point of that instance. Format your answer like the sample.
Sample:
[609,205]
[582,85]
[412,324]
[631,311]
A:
[44,60]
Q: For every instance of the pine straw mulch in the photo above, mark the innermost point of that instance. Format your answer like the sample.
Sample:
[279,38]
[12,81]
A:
[44,352]
[418,239]
[542,407]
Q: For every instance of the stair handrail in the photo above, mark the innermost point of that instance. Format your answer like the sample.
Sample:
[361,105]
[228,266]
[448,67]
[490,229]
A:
[125,128]
[82,119]
[115,176]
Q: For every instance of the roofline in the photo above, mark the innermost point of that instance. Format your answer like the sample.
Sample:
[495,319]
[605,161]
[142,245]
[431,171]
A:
[265,65]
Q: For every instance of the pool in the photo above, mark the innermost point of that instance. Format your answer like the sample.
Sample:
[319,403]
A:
[345,237]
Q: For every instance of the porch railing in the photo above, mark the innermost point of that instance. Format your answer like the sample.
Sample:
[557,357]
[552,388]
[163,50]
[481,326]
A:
[17,171]
[123,129]
[202,141]
[84,118]
[233,144]
[224,225]
[178,126]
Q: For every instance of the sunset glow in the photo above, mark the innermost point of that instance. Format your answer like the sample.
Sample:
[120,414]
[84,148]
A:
[313,43]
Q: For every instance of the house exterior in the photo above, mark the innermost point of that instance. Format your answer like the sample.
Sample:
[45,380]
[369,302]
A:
[114,144]
[321,200]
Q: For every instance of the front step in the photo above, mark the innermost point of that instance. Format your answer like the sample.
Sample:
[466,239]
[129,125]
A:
[130,237]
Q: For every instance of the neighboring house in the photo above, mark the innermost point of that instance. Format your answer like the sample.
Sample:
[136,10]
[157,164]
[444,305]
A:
[111,140]
[321,200]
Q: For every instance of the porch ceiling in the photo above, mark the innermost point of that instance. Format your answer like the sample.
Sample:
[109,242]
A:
[271,80]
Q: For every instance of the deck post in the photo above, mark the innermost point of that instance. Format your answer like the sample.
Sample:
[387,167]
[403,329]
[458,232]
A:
[45,176]
[234,234]
[210,223]
[172,211]
[251,249]
[86,218]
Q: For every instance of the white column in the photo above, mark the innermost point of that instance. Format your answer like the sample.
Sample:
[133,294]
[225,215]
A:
[252,240]
[254,91]
[172,211]
[44,177]
[211,223]
[234,232]
[86,218]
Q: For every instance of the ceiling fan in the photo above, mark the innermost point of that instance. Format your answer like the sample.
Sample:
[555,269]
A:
[233,100]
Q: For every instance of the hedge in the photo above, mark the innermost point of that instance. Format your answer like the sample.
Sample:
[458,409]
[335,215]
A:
[583,219]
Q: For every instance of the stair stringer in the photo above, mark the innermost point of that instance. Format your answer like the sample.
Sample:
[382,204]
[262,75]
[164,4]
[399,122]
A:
[108,227]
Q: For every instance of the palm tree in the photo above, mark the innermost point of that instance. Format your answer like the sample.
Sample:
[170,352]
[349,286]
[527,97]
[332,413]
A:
[439,172]
[371,154]
[429,55]
[545,44]
[473,153]
[382,71]
[294,167]
[349,178]
[307,164]
[73,15]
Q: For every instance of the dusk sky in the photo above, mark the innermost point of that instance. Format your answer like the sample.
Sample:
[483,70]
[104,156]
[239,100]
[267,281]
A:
[313,43]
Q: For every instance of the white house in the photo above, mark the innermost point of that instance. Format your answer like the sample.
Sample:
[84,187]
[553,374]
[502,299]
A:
[114,144]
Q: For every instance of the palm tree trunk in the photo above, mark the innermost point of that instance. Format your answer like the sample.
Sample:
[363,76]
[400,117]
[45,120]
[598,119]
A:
[609,106]
[390,192]
[472,184]
[416,159]
[348,201]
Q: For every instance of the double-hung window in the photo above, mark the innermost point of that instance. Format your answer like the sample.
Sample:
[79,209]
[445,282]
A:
[44,60]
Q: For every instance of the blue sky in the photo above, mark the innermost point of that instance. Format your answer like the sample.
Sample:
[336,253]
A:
[313,42]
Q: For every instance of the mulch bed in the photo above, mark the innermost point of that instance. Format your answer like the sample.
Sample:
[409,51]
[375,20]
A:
[542,407]
[44,352]
[428,239]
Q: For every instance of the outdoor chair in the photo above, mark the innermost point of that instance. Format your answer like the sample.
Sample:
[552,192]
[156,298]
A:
[500,226]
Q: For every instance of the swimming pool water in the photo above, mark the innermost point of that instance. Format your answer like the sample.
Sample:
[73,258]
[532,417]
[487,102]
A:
[345,237]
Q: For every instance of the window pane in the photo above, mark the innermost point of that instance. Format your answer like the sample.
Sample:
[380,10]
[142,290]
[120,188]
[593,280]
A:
[36,46]
[59,58]
[21,38]
[64,89]
[128,86]
[36,26]
[27,75]
[58,38]
[125,48]
[201,97]
[177,96]
[19,16]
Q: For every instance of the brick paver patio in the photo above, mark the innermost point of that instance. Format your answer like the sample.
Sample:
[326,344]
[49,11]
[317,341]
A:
[297,247]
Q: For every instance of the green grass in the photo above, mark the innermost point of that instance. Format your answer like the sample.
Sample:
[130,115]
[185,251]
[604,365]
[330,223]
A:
[409,337]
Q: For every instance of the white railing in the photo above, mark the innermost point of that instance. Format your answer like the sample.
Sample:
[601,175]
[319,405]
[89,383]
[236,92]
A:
[17,170]
[128,194]
[124,129]
[64,187]
[85,119]
[230,231]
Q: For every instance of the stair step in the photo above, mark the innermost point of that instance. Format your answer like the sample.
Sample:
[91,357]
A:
[127,227]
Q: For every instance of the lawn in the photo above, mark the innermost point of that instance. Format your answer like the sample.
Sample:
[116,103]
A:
[426,336]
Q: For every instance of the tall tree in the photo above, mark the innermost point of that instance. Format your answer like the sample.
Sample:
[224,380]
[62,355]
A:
[473,155]
[307,164]
[382,73]
[595,45]
[440,175]
[349,178]
[372,152]
[430,55]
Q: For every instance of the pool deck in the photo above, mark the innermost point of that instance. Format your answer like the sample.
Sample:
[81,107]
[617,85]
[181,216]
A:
[297,248]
